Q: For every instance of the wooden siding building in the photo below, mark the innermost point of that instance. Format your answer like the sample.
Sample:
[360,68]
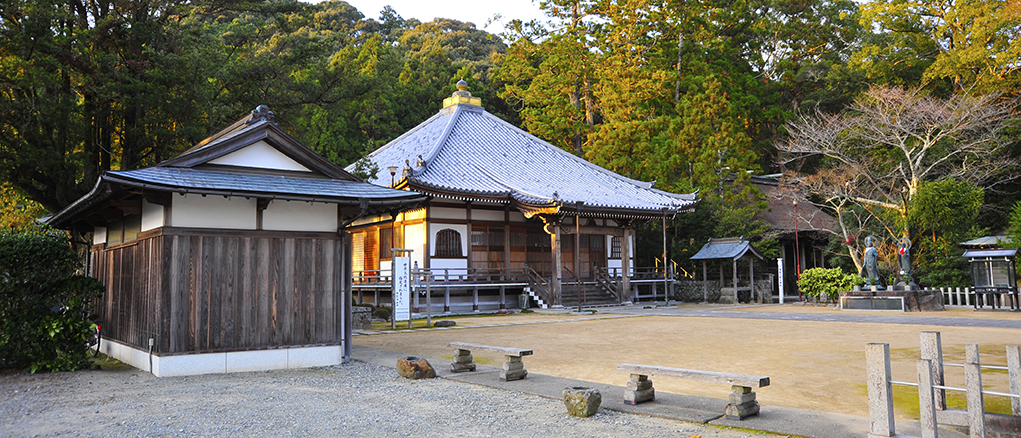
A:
[232,256]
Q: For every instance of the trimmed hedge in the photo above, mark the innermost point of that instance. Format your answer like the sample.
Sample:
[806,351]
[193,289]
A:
[44,304]
[817,281]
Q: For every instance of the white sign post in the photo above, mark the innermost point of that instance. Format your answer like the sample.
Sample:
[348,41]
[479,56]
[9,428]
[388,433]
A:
[779,273]
[401,286]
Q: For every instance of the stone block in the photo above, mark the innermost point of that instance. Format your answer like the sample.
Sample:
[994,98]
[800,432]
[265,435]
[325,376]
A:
[513,365]
[639,385]
[412,367]
[742,411]
[737,399]
[736,389]
[513,375]
[462,367]
[632,397]
[639,377]
[582,401]
[444,323]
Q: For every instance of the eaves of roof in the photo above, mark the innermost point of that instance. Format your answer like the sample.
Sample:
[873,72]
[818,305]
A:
[186,181]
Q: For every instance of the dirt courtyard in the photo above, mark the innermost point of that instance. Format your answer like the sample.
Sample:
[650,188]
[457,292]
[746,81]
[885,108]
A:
[818,365]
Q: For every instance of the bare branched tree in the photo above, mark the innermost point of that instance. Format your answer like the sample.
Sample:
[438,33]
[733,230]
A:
[891,140]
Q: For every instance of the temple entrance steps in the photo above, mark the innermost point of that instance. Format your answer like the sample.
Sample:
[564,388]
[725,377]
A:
[589,294]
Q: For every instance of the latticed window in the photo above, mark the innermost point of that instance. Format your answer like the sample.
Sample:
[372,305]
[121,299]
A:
[448,243]
[615,247]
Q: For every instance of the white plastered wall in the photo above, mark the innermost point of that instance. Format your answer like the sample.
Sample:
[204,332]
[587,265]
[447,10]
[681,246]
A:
[487,215]
[152,216]
[283,215]
[213,211]
[446,213]
[260,155]
[414,239]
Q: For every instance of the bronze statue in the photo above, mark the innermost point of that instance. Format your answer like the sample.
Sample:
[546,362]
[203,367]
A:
[870,260]
[904,259]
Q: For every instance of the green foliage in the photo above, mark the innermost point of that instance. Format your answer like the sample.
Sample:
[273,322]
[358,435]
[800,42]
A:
[382,312]
[944,214]
[816,282]
[946,208]
[1014,227]
[44,304]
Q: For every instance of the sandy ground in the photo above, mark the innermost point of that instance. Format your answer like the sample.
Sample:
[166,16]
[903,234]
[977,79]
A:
[811,365]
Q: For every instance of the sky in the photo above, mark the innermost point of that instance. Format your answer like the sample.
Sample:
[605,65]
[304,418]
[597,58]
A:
[475,11]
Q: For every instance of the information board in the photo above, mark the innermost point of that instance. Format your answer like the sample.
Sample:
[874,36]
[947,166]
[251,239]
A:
[402,288]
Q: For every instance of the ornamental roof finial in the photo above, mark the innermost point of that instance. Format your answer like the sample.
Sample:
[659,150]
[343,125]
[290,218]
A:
[462,96]
[259,114]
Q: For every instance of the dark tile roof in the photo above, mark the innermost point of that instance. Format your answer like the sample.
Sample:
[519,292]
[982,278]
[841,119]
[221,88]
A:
[729,248]
[464,150]
[180,179]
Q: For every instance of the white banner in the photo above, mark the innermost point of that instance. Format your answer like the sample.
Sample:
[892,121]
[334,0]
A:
[402,288]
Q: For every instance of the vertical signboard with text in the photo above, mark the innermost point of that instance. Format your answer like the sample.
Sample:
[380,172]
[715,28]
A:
[779,275]
[402,288]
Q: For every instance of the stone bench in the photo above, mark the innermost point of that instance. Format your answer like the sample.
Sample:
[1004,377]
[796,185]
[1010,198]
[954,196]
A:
[513,368]
[742,398]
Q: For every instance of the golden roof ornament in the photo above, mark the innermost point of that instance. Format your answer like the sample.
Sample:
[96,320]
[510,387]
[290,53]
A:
[462,96]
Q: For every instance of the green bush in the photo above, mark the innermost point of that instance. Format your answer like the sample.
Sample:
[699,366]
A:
[382,312]
[818,281]
[44,305]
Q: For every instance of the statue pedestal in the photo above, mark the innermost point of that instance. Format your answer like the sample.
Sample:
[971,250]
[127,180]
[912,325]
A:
[914,300]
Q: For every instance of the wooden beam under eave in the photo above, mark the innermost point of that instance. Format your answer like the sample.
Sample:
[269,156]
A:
[158,198]
[612,231]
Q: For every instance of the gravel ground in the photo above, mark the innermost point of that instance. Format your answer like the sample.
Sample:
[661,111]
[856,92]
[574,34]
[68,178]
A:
[356,399]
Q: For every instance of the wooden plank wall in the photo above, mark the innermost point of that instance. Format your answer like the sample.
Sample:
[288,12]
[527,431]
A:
[205,292]
[129,310]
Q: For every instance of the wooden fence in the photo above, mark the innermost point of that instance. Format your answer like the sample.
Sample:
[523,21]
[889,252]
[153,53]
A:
[931,390]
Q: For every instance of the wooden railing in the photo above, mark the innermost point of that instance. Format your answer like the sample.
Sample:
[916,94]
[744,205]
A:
[606,282]
[539,284]
[382,277]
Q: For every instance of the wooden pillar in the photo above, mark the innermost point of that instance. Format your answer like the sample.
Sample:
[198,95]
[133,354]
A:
[705,284]
[751,279]
[446,288]
[468,216]
[625,262]
[345,295]
[557,261]
[505,269]
[577,248]
[734,264]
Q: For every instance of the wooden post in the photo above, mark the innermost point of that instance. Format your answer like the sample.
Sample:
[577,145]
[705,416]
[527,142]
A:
[973,385]
[503,298]
[932,350]
[429,300]
[705,284]
[880,390]
[446,289]
[557,262]
[346,323]
[1014,375]
[625,258]
[926,401]
[751,279]
[734,263]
